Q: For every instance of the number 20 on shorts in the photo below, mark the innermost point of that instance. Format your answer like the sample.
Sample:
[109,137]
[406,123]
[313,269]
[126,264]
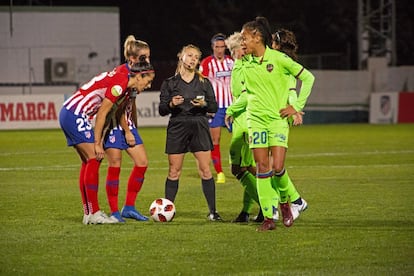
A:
[258,138]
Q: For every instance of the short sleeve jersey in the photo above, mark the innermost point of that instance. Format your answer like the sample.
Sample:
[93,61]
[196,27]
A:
[267,80]
[111,85]
[219,74]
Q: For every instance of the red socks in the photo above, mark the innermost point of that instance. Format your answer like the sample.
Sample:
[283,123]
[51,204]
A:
[112,187]
[91,180]
[134,185]
[216,157]
[88,185]
[83,189]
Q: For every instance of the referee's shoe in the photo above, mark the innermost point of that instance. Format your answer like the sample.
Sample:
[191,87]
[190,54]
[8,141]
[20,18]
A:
[214,217]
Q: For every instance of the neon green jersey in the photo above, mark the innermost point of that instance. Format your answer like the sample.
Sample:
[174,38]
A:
[237,84]
[238,89]
[268,80]
[293,96]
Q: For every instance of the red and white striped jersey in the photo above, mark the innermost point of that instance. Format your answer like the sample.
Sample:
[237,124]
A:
[219,74]
[111,85]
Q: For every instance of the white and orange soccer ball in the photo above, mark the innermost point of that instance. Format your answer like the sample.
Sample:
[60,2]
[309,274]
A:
[162,210]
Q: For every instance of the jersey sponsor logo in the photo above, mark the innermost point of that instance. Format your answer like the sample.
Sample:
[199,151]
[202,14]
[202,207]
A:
[269,67]
[223,74]
[116,90]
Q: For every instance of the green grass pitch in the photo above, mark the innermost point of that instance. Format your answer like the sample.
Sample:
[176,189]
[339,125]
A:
[357,178]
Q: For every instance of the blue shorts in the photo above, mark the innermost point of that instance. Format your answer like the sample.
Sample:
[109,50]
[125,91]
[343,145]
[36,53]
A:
[218,119]
[116,139]
[77,128]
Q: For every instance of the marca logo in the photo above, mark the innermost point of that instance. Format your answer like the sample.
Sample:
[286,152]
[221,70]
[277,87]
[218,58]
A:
[27,111]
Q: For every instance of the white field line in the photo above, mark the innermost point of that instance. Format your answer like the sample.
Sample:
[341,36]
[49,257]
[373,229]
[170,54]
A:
[314,154]
[308,167]
[224,161]
[317,154]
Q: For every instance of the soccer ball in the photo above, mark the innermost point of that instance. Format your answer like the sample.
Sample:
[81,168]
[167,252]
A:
[162,210]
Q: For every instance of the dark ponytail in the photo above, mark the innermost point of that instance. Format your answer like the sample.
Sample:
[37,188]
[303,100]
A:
[261,25]
[265,30]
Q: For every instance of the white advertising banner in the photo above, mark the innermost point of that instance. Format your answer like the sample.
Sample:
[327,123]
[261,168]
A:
[42,111]
[147,109]
[384,108]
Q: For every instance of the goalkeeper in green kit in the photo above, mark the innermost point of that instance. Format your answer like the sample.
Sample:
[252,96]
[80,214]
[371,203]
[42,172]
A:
[267,75]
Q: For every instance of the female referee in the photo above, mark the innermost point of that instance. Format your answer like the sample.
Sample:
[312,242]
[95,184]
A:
[188,96]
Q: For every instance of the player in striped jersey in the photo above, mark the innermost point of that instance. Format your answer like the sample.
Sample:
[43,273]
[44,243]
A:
[217,67]
[124,135]
[96,98]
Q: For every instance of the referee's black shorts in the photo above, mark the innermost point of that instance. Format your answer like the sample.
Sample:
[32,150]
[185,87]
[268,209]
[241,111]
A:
[188,134]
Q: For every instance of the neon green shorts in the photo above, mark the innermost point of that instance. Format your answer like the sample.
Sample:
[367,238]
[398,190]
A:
[240,152]
[268,134]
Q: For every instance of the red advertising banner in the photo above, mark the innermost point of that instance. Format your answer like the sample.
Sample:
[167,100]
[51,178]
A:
[406,107]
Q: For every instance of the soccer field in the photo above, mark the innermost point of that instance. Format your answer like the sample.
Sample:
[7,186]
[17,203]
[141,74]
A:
[358,180]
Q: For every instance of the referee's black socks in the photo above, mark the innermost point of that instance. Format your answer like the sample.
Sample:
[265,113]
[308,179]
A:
[209,190]
[171,189]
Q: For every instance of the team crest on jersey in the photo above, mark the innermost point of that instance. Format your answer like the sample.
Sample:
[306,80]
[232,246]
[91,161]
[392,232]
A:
[88,134]
[269,67]
[116,90]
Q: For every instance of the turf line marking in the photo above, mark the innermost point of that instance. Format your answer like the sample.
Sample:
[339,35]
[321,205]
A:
[76,167]
[349,153]
[291,155]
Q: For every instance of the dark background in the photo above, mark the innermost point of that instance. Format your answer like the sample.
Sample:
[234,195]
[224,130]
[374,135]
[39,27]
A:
[322,27]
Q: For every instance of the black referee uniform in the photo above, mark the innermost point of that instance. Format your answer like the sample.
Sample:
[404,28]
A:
[188,129]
